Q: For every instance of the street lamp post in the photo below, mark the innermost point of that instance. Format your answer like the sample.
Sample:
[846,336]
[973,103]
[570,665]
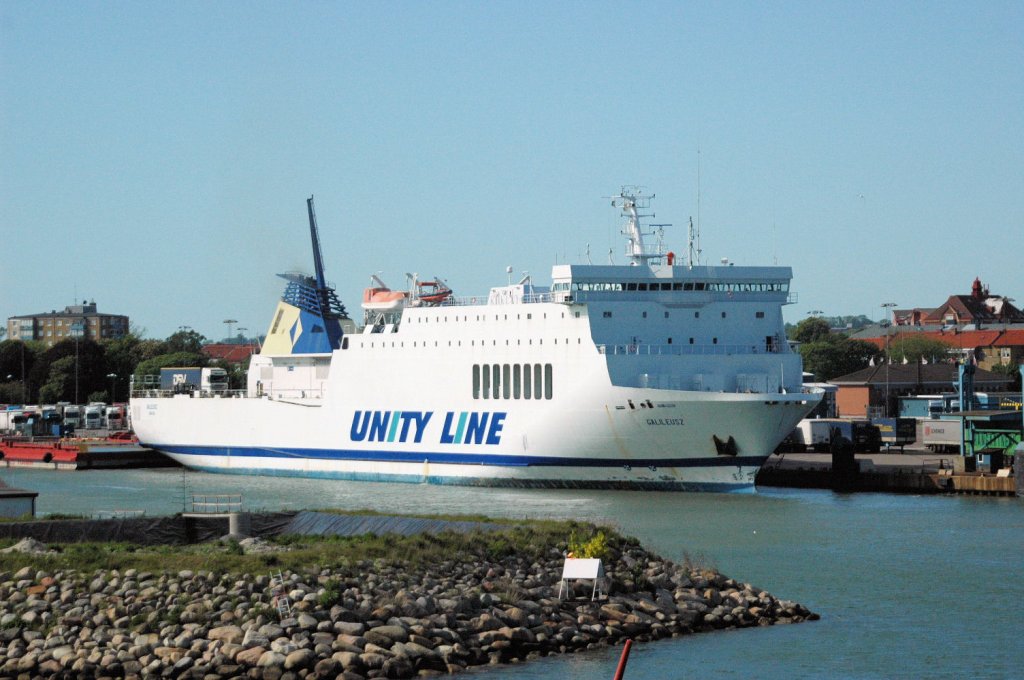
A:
[113,377]
[23,371]
[230,322]
[76,330]
[887,306]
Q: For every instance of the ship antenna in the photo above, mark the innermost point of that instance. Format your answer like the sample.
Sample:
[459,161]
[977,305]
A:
[631,200]
[693,245]
[698,205]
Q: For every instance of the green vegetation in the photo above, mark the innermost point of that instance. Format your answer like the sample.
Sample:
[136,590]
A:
[595,545]
[913,348]
[50,372]
[531,540]
[827,354]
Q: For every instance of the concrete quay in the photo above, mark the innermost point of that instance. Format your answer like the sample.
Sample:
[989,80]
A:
[915,471]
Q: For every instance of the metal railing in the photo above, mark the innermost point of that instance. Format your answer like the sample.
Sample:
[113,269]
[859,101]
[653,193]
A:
[215,503]
[683,350]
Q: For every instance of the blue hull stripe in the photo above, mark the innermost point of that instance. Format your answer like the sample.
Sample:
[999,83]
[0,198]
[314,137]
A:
[501,460]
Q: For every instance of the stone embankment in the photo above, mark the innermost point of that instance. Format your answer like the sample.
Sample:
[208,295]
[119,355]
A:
[362,620]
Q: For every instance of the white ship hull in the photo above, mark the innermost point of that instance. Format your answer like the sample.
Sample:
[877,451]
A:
[650,377]
[669,447]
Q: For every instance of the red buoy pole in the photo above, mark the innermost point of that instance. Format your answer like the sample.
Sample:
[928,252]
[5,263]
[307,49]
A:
[620,671]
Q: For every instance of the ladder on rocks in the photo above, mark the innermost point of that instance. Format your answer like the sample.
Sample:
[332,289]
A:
[279,595]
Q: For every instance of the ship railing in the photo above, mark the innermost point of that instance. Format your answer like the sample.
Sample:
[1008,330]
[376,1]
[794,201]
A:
[530,298]
[682,350]
[148,393]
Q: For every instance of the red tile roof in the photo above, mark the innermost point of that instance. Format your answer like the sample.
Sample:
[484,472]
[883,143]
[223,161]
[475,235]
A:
[958,339]
[231,353]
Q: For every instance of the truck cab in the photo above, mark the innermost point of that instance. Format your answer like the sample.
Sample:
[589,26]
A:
[115,417]
[94,416]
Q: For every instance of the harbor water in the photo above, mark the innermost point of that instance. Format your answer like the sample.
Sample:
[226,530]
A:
[907,586]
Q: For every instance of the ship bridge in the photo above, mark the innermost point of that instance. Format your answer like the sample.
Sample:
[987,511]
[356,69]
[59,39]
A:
[583,283]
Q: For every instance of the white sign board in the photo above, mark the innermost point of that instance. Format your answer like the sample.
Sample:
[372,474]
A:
[581,569]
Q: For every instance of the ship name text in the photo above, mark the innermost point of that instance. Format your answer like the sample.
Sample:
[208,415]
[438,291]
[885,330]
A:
[463,427]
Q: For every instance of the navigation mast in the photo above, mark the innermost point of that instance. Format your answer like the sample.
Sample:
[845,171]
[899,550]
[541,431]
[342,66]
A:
[632,200]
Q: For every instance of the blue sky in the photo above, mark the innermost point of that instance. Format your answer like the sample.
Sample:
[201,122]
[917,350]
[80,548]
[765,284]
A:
[156,157]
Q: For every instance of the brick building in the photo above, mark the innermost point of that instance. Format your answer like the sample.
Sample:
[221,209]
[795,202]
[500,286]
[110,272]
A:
[82,320]
[877,388]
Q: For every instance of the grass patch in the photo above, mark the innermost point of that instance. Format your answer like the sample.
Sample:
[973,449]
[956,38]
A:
[528,540]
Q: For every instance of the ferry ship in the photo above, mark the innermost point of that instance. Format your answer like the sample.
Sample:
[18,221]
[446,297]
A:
[658,374]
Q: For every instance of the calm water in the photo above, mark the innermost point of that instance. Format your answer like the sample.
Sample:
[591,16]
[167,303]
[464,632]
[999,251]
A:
[907,586]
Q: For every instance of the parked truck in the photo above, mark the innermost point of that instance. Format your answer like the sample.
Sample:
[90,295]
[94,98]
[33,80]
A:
[942,435]
[188,379]
[817,434]
[896,431]
[73,416]
[93,416]
[115,417]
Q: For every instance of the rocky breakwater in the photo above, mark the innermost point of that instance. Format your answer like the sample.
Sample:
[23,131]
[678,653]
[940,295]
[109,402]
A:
[364,619]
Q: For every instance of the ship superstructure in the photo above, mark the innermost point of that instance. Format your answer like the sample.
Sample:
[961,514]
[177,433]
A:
[654,374]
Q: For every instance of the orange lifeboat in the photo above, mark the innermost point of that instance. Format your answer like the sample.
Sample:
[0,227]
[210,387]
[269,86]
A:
[432,292]
[381,298]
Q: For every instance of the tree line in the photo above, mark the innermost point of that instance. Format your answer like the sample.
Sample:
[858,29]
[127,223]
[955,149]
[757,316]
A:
[32,373]
[829,354]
